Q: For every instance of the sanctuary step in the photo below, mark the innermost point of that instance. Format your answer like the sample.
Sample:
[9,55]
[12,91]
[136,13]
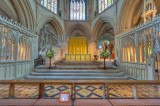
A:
[69,71]
[79,63]
[75,67]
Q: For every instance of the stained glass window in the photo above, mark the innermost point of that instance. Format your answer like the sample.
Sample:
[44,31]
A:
[50,4]
[77,10]
[42,2]
[109,2]
[103,4]
[72,10]
[99,2]
[45,3]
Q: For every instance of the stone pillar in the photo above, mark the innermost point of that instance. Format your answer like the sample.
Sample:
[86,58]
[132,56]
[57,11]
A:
[92,48]
[16,54]
[150,73]
[35,47]
[64,49]
[2,77]
[62,8]
[58,54]
[159,90]
[115,47]
[1,43]
[151,69]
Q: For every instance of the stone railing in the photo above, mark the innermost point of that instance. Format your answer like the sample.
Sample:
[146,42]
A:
[108,89]
[136,49]
[11,66]
[16,26]
[135,70]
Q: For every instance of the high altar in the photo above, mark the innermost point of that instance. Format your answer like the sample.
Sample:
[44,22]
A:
[77,49]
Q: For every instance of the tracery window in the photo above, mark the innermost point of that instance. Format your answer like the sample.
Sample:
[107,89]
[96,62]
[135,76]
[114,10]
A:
[24,48]
[77,9]
[8,43]
[50,4]
[103,4]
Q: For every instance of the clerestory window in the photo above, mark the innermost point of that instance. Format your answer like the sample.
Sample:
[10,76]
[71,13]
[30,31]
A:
[103,4]
[50,4]
[77,9]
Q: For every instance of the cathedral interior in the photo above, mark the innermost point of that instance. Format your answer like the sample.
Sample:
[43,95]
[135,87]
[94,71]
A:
[94,49]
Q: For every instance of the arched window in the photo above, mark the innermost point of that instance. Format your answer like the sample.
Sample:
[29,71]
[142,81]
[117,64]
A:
[4,42]
[24,46]
[77,9]
[8,41]
[50,4]
[10,52]
[103,4]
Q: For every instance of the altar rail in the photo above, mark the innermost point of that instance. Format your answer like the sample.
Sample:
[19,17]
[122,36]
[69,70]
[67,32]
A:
[78,57]
[132,88]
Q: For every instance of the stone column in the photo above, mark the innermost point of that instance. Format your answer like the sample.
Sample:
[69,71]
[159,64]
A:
[16,53]
[58,54]
[1,43]
[116,47]
[64,49]
[92,48]
[62,8]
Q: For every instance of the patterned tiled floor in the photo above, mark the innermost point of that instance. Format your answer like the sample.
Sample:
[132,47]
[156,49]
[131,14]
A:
[82,91]
[91,91]
[26,91]
[120,91]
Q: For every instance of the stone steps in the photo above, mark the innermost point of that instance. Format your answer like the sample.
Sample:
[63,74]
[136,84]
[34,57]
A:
[76,67]
[76,71]
[78,74]
[74,78]
[40,74]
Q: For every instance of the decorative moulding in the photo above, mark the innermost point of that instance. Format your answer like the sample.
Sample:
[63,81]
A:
[17,26]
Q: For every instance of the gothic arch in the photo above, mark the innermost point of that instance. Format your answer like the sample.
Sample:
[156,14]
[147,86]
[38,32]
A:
[102,26]
[20,11]
[80,29]
[129,15]
[56,23]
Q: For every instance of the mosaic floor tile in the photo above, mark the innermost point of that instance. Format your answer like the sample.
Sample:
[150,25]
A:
[26,91]
[120,91]
[151,91]
[82,91]
[91,91]
[4,88]
[53,91]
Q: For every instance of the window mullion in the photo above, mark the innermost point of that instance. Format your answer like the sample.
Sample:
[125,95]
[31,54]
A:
[51,4]
[79,11]
[47,4]
[76,9]
[82,10]
[101,6]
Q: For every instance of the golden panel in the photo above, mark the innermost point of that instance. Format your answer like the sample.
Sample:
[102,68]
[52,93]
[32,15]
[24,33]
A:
[78,49]
[77,45]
